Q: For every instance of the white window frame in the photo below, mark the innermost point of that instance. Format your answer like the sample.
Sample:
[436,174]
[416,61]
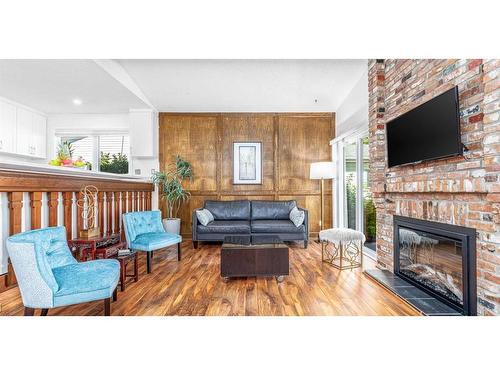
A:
[95,134]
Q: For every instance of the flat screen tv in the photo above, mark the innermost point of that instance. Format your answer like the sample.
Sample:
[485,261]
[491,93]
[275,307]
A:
[429,131]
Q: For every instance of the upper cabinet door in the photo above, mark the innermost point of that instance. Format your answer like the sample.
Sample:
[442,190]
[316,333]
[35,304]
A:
[39,135]
[24,132]
[7,127]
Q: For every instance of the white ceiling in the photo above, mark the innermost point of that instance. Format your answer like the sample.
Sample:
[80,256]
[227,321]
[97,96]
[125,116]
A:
[245,85]
[180,85]
[51,85]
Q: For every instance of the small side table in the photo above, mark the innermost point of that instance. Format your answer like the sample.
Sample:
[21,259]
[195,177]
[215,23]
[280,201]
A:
[124,260]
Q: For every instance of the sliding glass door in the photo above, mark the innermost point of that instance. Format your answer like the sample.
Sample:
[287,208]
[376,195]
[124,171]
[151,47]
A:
[354,207]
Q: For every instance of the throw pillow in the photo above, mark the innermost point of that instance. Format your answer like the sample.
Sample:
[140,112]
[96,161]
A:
[297,216]
[204,216]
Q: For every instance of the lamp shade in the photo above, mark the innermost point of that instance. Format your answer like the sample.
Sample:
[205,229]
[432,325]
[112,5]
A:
[322,170]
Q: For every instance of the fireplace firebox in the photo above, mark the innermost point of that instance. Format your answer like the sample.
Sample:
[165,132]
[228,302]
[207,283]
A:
[438,258]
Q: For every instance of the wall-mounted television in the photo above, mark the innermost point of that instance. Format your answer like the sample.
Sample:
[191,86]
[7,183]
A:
[429,131]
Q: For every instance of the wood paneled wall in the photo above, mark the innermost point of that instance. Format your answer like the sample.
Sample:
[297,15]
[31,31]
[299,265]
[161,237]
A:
[290,142]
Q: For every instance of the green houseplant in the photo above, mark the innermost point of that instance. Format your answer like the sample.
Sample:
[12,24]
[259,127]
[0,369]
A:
[172,191]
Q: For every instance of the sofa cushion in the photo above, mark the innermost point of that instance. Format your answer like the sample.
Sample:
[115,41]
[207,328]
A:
[229,210]
[276,226]
[272,210]
[226,226]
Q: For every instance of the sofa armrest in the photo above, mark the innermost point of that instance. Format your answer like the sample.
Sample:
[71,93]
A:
[194,223]
[306,220]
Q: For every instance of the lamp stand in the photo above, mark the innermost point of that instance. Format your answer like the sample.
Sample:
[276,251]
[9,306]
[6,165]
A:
[321,220]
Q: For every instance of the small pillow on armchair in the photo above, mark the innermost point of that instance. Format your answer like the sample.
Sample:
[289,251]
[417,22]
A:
[204,216]
[297,216]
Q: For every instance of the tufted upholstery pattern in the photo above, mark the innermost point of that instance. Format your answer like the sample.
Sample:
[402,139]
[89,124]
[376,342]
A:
[37,257]
[87,281]
[140,222]
[144,231]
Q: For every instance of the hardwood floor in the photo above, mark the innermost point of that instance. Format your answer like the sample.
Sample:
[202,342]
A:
[194,287]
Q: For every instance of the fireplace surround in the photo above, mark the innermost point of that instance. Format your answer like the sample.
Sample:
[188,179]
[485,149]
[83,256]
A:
[439,259]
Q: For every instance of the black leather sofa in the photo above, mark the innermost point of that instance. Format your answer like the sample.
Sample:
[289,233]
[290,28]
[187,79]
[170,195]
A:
[250,218]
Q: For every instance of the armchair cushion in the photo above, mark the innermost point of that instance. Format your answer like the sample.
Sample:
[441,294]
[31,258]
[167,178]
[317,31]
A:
[86,281]
[154,241]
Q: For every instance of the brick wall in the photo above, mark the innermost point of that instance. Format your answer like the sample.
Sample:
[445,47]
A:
[460,190]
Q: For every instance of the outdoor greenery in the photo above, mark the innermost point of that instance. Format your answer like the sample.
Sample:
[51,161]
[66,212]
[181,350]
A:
[368,210]
[370,217]
[115,163]
[351,201]
[170,185]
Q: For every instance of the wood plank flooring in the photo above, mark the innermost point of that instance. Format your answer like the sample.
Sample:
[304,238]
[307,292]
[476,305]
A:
[194,287]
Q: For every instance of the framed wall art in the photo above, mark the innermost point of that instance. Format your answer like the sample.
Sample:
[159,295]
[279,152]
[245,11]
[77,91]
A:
[247,163]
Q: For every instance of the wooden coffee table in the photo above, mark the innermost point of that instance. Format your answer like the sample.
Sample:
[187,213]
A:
[265,256]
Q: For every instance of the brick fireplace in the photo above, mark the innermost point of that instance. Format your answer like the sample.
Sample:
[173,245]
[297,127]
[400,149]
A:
[461,191]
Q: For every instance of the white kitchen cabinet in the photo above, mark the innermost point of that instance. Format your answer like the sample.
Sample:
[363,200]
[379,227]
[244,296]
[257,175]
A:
[39,135]
[28,131]
[24,144]
[7,127]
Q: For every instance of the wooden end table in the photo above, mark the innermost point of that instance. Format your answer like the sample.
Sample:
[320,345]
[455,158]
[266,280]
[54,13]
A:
[124,260]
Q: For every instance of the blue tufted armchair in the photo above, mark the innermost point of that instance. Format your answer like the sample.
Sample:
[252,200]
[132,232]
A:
[49,276]
[144,231]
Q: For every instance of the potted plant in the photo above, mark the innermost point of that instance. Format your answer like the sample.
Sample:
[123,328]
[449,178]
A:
[172,191]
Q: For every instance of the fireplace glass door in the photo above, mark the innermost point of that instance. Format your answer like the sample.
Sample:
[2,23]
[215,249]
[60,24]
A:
[433,261]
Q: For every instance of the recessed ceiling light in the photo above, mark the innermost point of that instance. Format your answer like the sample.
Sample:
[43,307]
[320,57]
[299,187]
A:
[77,101]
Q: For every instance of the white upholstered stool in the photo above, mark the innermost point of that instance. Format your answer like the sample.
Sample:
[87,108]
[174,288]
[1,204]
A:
[342,247]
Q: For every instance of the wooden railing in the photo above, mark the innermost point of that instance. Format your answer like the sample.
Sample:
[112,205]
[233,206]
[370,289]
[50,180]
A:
[36,200]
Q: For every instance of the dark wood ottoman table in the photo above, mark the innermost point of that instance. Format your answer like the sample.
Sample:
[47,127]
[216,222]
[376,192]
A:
[265,256]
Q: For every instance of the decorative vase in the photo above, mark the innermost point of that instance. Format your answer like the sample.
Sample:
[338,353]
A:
[172,225]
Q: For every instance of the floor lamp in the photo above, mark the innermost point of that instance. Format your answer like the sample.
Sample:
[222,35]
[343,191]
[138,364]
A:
[322,170]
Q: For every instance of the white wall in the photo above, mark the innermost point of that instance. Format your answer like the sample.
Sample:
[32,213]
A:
[353,111]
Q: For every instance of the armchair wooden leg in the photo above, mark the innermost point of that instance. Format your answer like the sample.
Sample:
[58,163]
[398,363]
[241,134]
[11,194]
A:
[115,295]
[195,244]
[179,251]
[107,306]
[305,244]
[29,311]
[148,262]
[44,312]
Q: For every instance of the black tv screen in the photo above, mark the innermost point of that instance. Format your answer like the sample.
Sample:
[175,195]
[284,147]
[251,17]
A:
[429,131]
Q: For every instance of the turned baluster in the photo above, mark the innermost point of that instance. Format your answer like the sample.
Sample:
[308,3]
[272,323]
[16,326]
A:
[53,202]
[36,209]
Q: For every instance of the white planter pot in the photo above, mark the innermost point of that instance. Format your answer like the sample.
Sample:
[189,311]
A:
[172,225]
